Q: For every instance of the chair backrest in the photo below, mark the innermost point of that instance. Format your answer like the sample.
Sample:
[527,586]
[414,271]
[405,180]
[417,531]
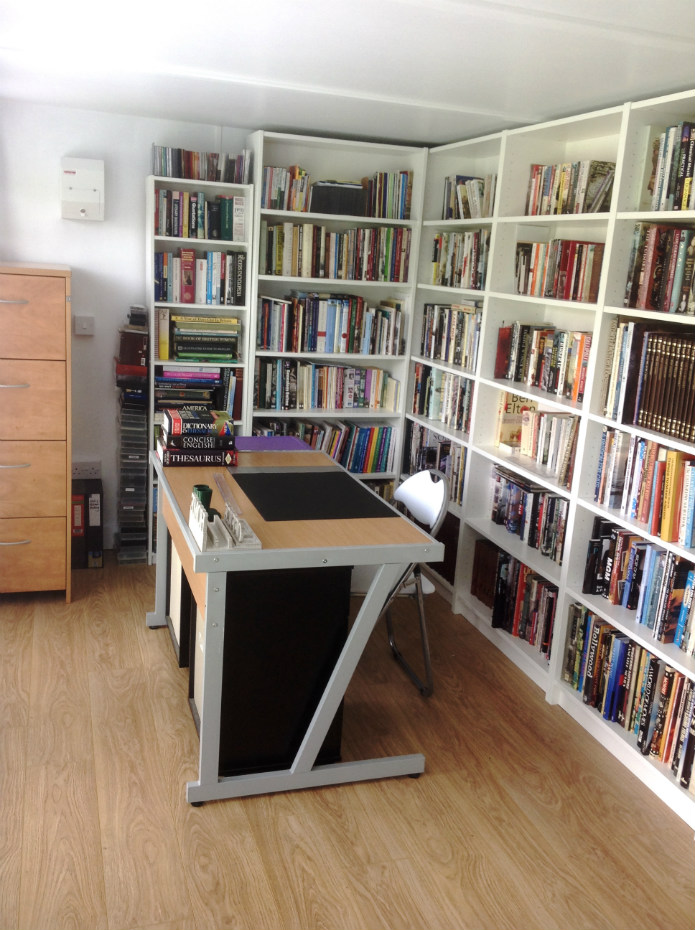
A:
[426,496]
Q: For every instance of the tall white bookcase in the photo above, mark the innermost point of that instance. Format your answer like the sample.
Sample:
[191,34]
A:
[161,309]
[342,161]
[622,135]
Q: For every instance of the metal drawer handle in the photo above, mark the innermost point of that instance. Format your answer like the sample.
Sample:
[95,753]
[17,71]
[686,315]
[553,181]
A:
[17,465]
[20,542]
[15,385]
[8,300]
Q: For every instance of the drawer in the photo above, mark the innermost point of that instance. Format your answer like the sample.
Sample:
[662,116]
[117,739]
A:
[33,478]
[32,400]
[32,316]
[33,554]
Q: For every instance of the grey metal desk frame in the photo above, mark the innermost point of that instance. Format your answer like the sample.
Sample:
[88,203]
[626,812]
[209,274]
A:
[390,562]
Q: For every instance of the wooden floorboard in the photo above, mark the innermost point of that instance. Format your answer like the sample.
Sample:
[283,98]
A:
[521,820]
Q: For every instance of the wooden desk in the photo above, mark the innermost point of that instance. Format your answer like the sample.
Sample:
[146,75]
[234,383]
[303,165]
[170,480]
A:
[387,542]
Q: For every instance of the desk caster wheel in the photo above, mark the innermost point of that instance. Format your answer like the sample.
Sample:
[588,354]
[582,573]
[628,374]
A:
[197,803]
[415,775]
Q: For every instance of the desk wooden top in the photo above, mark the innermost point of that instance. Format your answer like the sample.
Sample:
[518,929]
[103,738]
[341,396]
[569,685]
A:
[292,534]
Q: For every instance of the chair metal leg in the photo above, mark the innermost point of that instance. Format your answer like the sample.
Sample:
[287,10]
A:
[425,688]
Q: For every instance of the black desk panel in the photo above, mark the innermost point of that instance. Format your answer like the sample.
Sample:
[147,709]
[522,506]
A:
[318,495]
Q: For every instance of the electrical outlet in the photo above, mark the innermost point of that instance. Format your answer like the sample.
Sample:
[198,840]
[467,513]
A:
[86,469]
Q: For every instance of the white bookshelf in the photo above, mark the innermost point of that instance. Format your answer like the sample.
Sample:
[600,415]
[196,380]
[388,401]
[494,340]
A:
[620,134]
[340,160]
[157,243]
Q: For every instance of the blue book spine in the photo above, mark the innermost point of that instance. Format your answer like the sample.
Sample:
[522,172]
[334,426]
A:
[601,456]
[646,582]
[685,608]
[690,515]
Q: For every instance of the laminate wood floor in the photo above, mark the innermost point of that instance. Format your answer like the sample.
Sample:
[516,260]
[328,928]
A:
[520,822]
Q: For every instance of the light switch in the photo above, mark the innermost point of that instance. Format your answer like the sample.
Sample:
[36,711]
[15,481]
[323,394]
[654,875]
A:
[83,325]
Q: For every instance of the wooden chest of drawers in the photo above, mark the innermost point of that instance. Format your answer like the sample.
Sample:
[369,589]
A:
[35,428]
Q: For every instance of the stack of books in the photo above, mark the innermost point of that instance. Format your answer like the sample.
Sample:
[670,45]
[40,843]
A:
[196,436]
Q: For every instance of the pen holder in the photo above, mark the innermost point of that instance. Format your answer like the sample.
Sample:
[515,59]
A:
[204,494]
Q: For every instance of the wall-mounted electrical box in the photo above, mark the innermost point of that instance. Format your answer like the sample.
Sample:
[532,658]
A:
[82,189]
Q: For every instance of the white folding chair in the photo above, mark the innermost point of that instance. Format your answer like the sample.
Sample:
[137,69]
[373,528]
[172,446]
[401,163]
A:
[424,496]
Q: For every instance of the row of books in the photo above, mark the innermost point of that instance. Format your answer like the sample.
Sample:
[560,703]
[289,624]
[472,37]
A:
[196,215]
[361,253]
[389,195]
[285,188]
[359,448]
[426,448]
[203,339]
[459,259]
[660,269]
[212,277]
[201,387]
[292,384]
[649,377]
[633,688]
[197,337]
[170,162]
[570,187]
[638,575]
[562,269]
[548,438]
[442,396]
[386,194]
[534,514]
[671,181]
[467,197]
[179,387]
[523,602]
[544,356]
[649,483]
[330,323]
[451,333]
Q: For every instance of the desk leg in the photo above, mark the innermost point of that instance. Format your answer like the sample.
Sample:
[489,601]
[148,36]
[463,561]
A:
[212,672]
[302,773]
[158,616]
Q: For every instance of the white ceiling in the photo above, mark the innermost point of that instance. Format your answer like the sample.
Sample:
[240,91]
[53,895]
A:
[421,71]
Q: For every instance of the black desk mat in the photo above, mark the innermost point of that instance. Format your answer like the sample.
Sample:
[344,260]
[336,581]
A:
[315,495]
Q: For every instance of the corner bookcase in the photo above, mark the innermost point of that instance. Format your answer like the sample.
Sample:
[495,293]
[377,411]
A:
[622,135]
[462,288]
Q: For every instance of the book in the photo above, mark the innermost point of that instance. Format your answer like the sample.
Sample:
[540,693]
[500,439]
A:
[510,411]
[197,441]
[650,703]
[176,457]
[190,420]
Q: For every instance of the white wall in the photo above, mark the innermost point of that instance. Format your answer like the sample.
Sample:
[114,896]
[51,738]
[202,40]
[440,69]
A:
[107,258]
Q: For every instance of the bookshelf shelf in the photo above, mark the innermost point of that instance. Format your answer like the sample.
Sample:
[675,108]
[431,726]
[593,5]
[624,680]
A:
[621,135]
